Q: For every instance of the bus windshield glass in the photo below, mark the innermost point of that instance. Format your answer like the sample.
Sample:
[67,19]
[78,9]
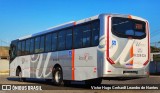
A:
[125,27]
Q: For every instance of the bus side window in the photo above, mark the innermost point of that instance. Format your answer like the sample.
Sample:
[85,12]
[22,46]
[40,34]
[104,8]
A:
[41,49]
[77,37]
[48,43]
[86,35]
[37,44]
[61,40]
[23,48]
[69,39]
[54,41]
[19,49]
[95,32]
[32,46]
[27,46]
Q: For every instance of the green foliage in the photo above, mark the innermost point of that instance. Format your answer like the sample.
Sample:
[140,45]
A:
[154,49]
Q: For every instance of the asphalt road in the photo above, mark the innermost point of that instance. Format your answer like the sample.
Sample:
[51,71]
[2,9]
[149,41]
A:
[78,87]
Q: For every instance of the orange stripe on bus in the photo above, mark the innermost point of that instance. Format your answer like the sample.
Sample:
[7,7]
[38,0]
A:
[131,55]
[73,65]
[129,16]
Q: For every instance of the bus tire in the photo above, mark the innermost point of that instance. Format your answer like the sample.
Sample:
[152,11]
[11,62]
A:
[57,76]
[94,82]
[21,79]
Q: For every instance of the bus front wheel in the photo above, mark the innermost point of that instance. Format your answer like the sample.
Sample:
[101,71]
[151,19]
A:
[57,76]
[21,79]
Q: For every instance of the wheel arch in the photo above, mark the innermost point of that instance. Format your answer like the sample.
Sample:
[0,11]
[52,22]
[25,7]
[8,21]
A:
[17,70]
[57,65]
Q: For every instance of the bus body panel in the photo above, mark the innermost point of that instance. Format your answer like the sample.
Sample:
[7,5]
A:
[22,62]
[25,65]
[41,65]
[85,63]
[12,67]
[44,63]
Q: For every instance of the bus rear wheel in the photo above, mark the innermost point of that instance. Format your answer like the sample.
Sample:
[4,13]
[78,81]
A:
[57,76]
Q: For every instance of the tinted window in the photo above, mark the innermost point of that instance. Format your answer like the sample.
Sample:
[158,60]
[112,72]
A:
[19,48]
[86,35]
[41,49]
[95,25]
[32,46]
[77,37]
[27,46]
[54,41]
[23,48]
[61,40]
[37,44]
[124,27]
[48,43]
[69,39]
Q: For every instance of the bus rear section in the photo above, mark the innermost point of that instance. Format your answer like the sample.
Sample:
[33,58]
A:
[127,46]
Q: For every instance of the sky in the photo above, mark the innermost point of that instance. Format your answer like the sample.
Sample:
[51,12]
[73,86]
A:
[19,18]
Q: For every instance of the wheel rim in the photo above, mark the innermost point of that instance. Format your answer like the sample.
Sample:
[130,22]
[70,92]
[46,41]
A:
[58,76]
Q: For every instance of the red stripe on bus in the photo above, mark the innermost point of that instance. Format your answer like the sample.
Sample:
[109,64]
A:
[148,44]
[129,16]
[73,76]
[107,48]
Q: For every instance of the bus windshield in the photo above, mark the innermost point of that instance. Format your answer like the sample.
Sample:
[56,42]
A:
[124,27]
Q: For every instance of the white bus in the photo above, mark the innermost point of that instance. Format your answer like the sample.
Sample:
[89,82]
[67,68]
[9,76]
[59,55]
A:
[92,49]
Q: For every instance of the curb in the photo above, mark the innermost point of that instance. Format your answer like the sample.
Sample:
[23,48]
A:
[4,73]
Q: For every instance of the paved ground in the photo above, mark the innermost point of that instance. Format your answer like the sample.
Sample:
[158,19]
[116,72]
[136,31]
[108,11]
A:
[78,88]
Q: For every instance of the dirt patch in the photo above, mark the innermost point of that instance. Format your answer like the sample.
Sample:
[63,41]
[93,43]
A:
[4,52]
